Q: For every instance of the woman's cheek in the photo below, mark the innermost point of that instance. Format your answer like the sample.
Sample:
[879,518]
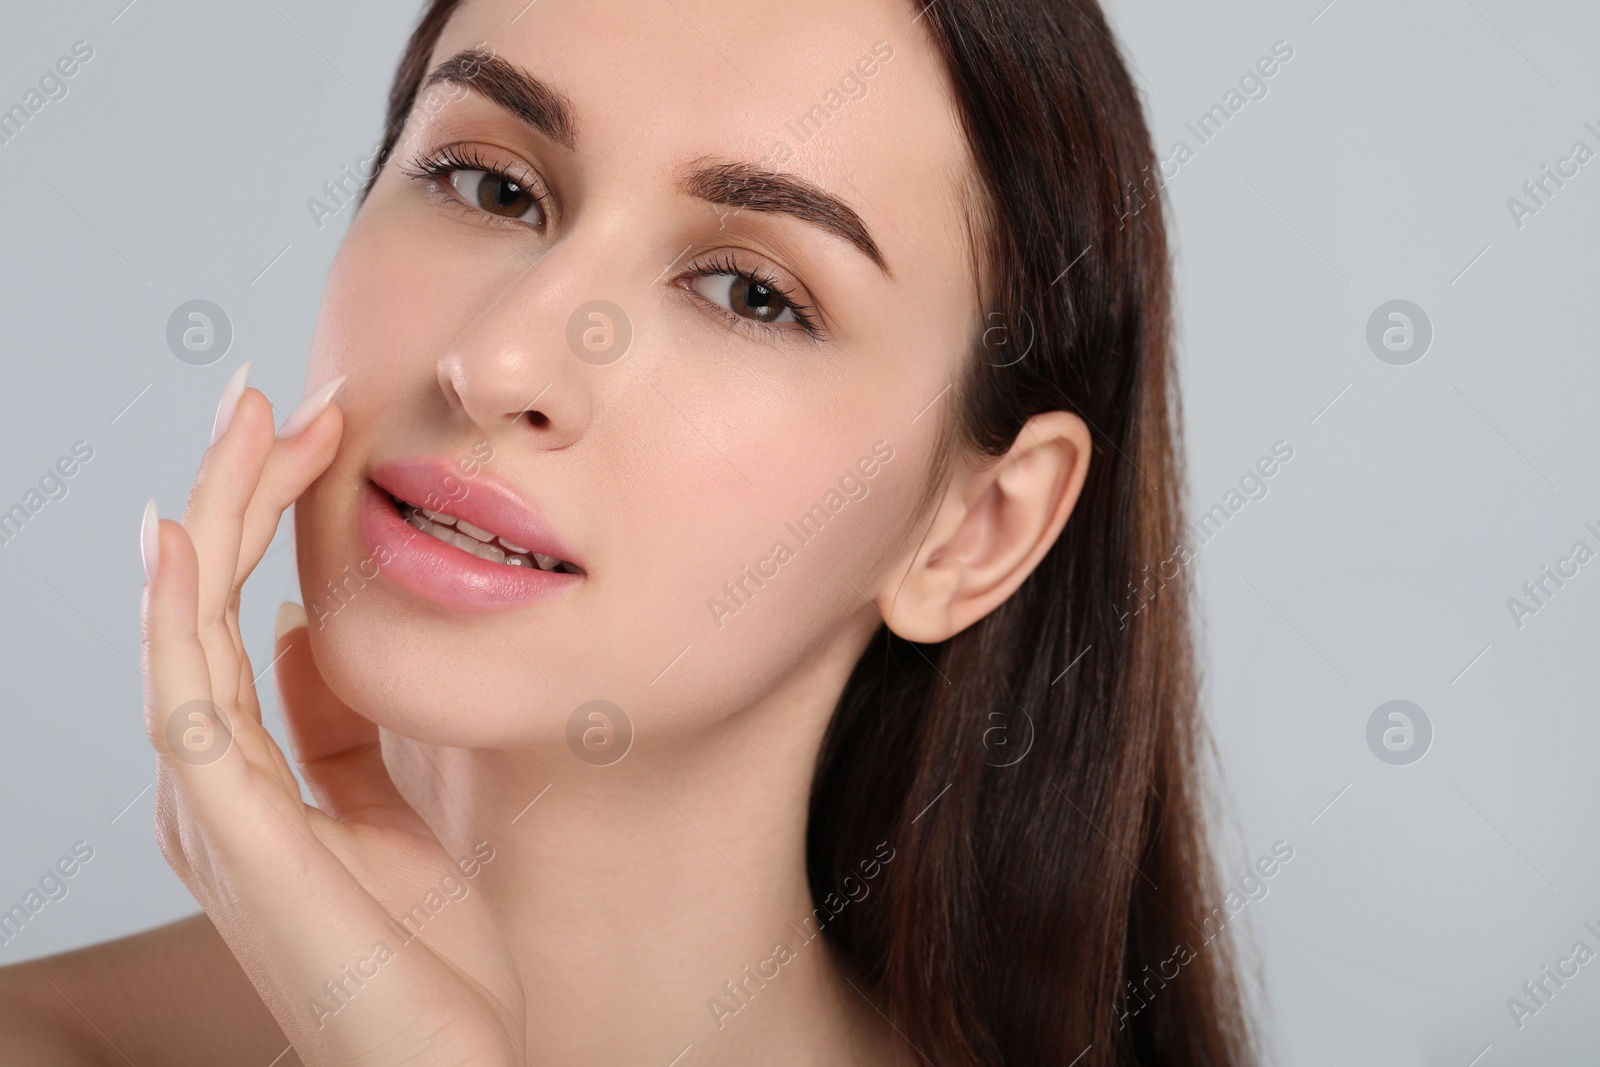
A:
[385,296]
[808,552]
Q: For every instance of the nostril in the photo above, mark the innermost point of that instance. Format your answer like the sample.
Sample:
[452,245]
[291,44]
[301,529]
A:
[539,419]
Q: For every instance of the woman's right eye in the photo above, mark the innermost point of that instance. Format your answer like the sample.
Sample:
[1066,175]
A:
[497,194]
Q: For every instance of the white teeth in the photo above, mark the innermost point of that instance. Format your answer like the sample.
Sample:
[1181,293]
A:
[475,531]
[478,548]
[476,540]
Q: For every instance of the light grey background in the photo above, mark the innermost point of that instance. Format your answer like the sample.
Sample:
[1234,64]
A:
[1418,500]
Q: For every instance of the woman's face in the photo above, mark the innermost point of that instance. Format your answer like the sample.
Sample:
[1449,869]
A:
[559,313]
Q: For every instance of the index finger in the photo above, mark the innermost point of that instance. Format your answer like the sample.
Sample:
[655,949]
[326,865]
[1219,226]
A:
[302,452]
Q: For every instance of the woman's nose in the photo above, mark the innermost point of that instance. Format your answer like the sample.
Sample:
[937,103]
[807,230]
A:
[511,369]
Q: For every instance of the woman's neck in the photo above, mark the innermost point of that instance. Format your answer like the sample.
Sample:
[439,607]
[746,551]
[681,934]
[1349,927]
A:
[661,901]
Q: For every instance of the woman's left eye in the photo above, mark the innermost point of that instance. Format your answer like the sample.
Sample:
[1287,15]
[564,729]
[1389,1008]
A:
[497,194]
[746,297]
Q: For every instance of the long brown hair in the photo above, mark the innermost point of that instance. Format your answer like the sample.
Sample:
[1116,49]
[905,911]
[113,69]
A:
[1035,886]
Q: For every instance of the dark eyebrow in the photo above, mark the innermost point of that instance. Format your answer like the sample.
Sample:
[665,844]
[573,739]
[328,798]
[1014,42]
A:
[732,183]
[728,183]
[514,89]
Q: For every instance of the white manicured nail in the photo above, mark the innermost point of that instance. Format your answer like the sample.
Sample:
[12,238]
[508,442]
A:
[150,540]
[291,616]
[310,408]
[230,402]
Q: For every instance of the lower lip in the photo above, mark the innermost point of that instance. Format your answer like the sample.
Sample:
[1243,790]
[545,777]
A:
[445,574]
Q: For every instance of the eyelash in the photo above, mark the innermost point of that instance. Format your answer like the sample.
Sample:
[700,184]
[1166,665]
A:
[432,170]
[804,314]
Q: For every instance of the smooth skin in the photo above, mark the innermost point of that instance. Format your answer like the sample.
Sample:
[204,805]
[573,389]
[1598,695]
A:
[620,899]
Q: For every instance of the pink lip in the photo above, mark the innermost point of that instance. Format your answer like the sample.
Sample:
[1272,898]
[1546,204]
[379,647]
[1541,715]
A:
[444,573]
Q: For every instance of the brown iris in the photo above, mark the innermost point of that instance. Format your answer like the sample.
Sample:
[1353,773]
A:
[499,195]
[751,298]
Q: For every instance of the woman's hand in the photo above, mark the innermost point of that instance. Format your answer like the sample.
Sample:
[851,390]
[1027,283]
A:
[357,928]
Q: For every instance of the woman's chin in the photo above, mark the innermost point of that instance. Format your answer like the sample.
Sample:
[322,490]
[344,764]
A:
[434,702]
[437,726]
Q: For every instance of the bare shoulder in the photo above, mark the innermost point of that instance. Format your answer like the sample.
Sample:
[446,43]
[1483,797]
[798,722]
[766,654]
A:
[172,995]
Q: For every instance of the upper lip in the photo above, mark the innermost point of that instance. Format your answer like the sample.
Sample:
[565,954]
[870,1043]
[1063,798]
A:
[478,498]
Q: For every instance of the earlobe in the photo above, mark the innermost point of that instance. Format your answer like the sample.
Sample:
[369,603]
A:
[993,525]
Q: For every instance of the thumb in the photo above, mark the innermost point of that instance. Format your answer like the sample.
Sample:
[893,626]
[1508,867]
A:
[338,751]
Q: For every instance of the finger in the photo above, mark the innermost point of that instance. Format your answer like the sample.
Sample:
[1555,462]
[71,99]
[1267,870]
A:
[228,476]
[260,747]
[249,476]
[296,460]
[214,519]
[243,466]
[339,752]
[247,700]
[188,730]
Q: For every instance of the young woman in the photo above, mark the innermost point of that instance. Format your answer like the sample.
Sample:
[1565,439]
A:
[733,438]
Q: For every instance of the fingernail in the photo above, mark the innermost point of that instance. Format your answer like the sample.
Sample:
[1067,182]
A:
[291,616]
[230,402]
[150,540]
[310,408]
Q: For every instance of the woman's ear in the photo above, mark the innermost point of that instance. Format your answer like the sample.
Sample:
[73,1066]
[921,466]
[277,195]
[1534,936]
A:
[991,528]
